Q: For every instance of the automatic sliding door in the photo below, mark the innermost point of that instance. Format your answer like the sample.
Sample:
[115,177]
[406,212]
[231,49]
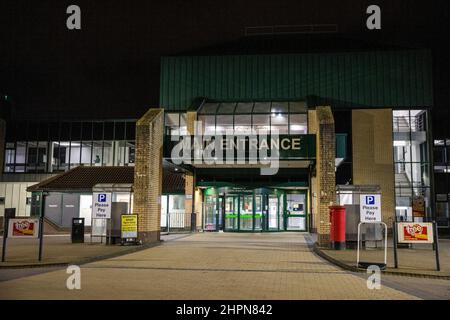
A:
[246,213]
[231,213]
[258,212]
[210,213]
[273,212]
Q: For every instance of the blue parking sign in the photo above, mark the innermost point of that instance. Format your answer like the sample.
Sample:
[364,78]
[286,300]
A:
[102,197]
[370,200]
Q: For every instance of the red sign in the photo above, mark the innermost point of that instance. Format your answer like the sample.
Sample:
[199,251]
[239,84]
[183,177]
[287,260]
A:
[23,228]
[415,232]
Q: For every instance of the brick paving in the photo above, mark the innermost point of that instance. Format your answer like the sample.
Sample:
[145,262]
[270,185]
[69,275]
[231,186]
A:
[208,266]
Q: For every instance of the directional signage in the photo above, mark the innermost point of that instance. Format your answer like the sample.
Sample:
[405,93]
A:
[370,207]
[101,205]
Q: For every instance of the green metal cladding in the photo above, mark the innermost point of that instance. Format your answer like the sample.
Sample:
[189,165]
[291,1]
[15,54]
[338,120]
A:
[352,79]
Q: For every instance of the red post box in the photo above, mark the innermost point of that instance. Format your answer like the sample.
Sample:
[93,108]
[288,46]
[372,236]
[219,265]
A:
[337,232]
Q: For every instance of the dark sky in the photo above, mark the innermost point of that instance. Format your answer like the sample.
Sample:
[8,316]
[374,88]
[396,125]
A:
[110,68]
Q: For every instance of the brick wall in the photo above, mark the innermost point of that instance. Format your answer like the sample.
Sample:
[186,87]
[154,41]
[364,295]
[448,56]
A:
[373,155]
[148,174]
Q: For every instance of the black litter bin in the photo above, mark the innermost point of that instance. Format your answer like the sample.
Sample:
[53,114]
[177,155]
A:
[77,230]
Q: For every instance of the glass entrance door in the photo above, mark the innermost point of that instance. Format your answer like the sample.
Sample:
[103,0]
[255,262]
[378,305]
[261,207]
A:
[246,212]
[210,213]
[295,215]
[231,213]
[273,213]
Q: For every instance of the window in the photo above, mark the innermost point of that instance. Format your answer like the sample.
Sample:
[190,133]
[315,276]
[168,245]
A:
[57,147]
[243,117]
[411,161]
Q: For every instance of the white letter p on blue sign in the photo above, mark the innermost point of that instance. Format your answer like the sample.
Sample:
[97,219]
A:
[370,200]
[102,197]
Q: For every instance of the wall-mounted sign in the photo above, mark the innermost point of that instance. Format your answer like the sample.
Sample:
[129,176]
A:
[415,232]
[23,228]
[101,205]
[129,225]
[370,207]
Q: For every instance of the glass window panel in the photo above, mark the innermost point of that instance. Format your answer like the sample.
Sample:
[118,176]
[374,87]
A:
[98,131]
[21,152]
[401,121]
[109,130]
[130,130]
[119,153]
[119,131]
[108,153]
[224,123]
[242,124]
[42,132]
[244,107]
[86,153]
[76,131]
[280,122]
[32,131]
[298,124]
[418,120]
[172,119]
[209,108]
[246,212]
[208,124]
[54,131]
[75,153]
[41,163]
[298,107]
[279,107]
[261,122]
[226,108]
[261,107]
[62,156]
[130,153]
[87,131]
[97,153]
[31,158]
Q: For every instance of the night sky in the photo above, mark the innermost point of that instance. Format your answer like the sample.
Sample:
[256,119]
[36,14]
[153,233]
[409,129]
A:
[110,68]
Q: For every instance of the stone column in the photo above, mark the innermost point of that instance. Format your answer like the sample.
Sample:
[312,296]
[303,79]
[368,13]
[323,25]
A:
[325,181]
[148,174]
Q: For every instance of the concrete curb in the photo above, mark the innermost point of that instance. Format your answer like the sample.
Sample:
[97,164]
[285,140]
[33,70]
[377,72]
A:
[342,265]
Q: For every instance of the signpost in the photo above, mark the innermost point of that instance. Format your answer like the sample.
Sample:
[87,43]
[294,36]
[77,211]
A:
[370,207]
[22,228]
[129,226]
[370,213]
[101,209]
[416,232]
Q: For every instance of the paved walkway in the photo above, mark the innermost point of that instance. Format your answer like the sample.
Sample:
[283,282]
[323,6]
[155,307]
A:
[418,260]
[208,266]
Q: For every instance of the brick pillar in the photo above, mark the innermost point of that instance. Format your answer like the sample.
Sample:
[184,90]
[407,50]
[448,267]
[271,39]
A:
[191,117]
[2,144]
[325,181]
[148,174]
[373,155]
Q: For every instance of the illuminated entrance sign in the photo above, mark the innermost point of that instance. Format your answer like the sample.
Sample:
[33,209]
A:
[253,149]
